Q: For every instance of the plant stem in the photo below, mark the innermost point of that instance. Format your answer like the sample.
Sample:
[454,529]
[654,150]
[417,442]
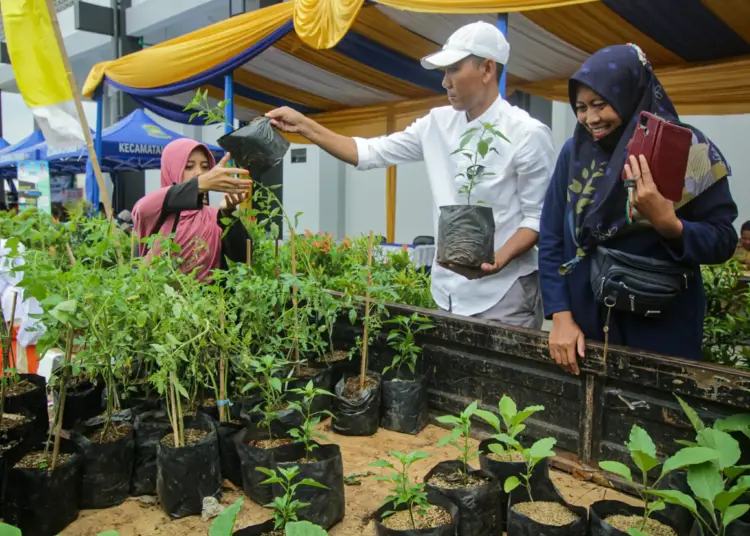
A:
[222,365]
[294,301]
[5,377]
[365,338]
[63,383]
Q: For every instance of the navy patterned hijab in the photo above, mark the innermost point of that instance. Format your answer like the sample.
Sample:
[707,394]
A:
[597,198]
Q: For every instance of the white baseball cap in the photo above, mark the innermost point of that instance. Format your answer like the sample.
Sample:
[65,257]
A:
[480,39]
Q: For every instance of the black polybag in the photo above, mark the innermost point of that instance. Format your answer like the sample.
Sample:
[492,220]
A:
[434,498]
[256,147]
[256,530]
[34,402]
[186,475]
[253,457]
[25,431]
[82,402]
[326,506]
[11,452]
[503,470]
[149,428]
[740,527]
[360,417]
[107,467]
[231,466]
[520,525]
[673,515]
[466,235]
[479,509]
[601,510]
[41,502]
[404,405]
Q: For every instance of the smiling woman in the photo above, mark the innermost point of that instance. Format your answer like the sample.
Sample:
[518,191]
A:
[608,274]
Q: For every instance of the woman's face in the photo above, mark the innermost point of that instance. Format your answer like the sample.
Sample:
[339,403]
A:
[197,163]
[594,113]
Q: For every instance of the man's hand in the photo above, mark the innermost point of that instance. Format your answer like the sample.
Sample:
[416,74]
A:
[288,120]
[566,342]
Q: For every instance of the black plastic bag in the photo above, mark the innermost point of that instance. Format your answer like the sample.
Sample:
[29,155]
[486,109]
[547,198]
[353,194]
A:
[11,453]
[252,457]
[231,466]
[673,515]
[35,402]
[360,417]
[434,498]
[404,406]
[256,147]
[601,510]
[107,467]
[286,419]
[479,509]
[326,506]
[43,503]
[466,235]
[521,525]
[25,431]
[256,530]
[83,401]
[149,428]
[187,474]
[740,527]
[503,470]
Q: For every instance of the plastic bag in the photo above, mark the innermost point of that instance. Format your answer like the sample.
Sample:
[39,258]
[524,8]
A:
[434,498]
[601,510]
[326,506]
[479,509]
[252,457]
[149,428]
[187,474]
[41,502]
[673,515]
[521,525]
[256,147]
[360,417]
[82,402]
[503,470]
[106,467]
[404,405]
[466,235]
[256,530]
[35,402]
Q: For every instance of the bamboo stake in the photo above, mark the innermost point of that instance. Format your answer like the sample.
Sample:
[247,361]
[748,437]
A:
[222,385]
[294,301]
[63,393]
[79,109]
[363,370]
[175,416]
[249,249]
[132,245]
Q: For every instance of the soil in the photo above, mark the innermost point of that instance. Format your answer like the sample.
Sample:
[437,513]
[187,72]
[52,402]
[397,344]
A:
[456,481]
[547,513]
[22,387]
[38,460]
[434,516]
[192,436]
[11,420]
[653,527]
[512,456]
[134,518]
[114,433]
[306,372]
[338,355]
[352,390]
[266,444]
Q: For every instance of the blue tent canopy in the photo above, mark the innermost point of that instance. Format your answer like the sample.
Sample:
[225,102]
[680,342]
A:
[132,144]
[3,144]
[26,149]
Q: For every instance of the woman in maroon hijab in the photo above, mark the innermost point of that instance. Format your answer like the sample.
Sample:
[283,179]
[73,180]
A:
[180,207]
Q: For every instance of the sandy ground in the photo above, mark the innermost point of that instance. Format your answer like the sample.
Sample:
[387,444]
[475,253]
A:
[134,518]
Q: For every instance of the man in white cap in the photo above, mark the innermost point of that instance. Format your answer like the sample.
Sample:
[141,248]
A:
[473,59]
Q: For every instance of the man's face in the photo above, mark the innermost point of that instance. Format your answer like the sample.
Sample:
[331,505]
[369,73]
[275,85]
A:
[745,239]
[466,81]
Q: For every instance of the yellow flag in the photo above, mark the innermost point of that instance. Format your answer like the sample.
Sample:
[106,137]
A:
[40,71]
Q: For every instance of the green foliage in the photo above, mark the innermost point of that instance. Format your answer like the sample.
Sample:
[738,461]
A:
[304,528]
[460,435]
[403,340]
[307,433]
[9,530]
[285,507]
[484,138]
[204,110]
[403,490]
[223,525]
[512,424]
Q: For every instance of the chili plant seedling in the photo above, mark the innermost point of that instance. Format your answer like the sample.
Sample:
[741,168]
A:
[512,424]
[285,507]
[460,436]
[306,433]
[485,136]
[404,491]
[403,340]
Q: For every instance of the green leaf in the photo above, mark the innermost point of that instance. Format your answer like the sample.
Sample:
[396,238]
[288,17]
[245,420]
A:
[705,481]
[449,419]
[617,468]
[635,532]
[511,483]
[352,316]
[672,496]
[687,457]
[727,446]
[543,448]
[313,483]
[382,463]
[692,415]
[735,471]
[223,525]
[483,147]
[505,438]
[304,528]
[733,513]
[735,423]
[489,417]
[8,530]
[526,413]
[276,384]
[507,409]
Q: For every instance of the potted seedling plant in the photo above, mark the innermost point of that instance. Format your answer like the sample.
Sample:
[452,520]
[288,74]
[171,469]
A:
[256,146]
[409,507]
[466,232]
[475,492]
[224,523]
[404,389]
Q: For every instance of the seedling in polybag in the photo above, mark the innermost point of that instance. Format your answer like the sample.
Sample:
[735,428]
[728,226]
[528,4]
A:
[511,426]
[460,436]
[402,340]
[540,450]
[306,433]
[411,494]
[285,507]
[475,172]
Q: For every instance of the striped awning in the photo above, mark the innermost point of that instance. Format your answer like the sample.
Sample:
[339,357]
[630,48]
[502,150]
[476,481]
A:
[371,81]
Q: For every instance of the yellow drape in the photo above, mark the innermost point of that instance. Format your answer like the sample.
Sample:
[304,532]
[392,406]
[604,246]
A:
[191,54]
[323,23]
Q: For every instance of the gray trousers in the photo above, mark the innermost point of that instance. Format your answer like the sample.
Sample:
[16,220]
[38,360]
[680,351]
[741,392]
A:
[521,306]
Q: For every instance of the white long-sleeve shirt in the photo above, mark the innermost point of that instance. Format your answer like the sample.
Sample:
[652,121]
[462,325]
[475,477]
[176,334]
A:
[521,171]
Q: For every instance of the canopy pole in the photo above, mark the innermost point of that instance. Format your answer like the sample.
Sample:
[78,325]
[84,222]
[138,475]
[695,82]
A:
[502,24]
[229,97]
[99,96]
[391,175]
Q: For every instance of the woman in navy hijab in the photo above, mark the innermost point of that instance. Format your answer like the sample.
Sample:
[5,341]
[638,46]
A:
[587,205]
